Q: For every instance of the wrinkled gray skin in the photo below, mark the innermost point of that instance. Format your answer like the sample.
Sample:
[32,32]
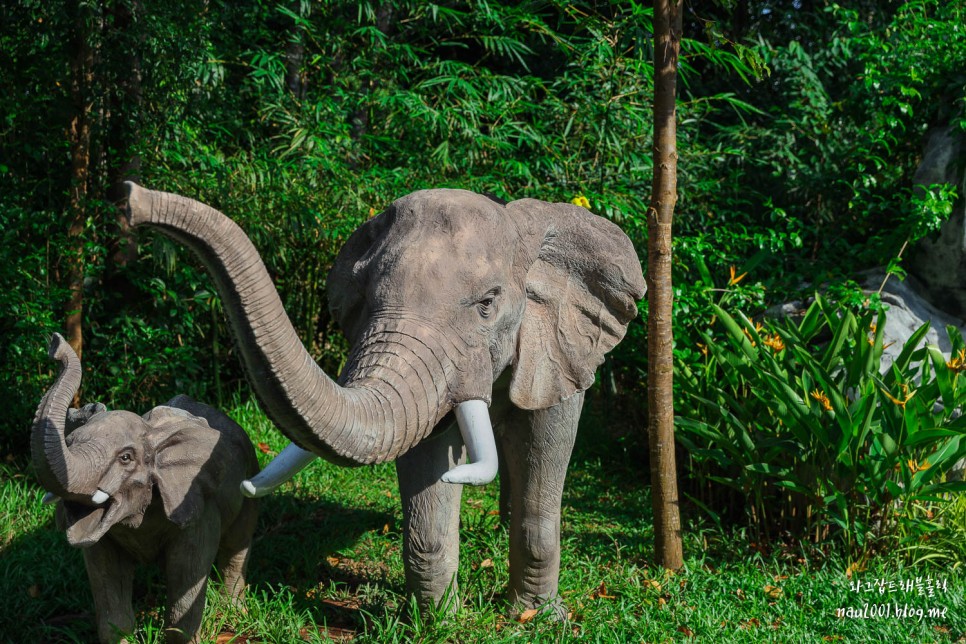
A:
[445,297]
[194,456]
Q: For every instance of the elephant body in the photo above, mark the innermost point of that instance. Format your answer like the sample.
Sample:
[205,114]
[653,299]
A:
[136,489]
[450,301]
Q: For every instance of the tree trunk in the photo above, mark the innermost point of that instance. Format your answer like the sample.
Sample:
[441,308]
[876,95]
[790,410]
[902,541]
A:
[295,54]
[125,36]
[385,23]
[79,133]
[660,359]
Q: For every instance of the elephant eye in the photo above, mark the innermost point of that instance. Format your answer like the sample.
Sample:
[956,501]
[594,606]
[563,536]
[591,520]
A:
[484,307]
[485,304]
[125,457]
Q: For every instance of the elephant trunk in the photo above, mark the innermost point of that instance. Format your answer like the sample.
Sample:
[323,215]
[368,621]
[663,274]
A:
[48,446]
[393,390]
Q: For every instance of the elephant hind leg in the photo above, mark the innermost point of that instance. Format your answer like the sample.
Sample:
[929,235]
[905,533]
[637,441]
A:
[431,520]
[234,551]
[537,447]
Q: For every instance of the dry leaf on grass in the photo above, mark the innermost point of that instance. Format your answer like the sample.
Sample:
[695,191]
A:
[854,567]
[773,592]
[601,593]
[264,448]
[333,633]
[350,603]
[527,615]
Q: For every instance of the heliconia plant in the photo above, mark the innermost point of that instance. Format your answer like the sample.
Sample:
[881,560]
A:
[802,419]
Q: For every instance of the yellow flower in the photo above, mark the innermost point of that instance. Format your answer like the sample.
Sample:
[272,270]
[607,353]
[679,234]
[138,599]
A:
[703,348]
[748,335]
[734,280]
[958,362]
[581,201]
[822,399]
[774,342]
[905,392]
[916,467]
[873,327]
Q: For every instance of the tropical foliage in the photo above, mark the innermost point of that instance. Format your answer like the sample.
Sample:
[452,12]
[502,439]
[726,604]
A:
[804,420]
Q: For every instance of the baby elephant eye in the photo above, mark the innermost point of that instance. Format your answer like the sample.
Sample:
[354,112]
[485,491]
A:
[125,457]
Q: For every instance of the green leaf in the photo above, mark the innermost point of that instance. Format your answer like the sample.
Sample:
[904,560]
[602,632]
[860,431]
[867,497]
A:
[843,328]
[812,321]
[943,375]
[737,335]
[901,363]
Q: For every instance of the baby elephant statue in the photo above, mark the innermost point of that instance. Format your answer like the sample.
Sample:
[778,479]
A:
[105,467]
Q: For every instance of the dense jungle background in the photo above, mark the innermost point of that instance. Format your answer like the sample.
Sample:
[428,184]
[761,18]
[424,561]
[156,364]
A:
[800,126]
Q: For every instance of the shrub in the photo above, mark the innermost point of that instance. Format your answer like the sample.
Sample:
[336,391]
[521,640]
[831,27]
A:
[800,419]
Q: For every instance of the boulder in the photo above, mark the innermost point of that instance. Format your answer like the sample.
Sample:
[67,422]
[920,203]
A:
[907,311]
[939,260]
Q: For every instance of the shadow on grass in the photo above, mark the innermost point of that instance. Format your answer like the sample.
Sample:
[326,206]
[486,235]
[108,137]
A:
[44,587]
[300,545]
[607,500]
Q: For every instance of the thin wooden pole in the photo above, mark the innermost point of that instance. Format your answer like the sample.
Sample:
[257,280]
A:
[667,517]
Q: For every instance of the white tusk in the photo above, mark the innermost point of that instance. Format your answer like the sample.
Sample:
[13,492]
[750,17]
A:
[473,418]
[99,497]
[49,498]
[287,464]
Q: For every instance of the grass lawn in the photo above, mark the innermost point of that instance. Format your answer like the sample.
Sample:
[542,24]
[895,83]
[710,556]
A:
[326,563]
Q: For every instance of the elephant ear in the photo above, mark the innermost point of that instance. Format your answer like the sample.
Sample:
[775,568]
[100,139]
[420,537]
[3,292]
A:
[186,467]
[582,291]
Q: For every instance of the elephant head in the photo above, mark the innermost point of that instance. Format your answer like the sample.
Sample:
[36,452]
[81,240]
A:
[438,295]
[106,469]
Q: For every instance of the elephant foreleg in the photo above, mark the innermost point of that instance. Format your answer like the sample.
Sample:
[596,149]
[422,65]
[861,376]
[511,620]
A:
[537,446]
[111,573]
[431,519]
[187,566]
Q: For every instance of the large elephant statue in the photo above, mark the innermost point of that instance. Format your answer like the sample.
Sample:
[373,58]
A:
[452,302]
[105,467]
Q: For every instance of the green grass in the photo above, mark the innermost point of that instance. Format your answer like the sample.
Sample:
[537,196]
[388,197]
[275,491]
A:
[327,562]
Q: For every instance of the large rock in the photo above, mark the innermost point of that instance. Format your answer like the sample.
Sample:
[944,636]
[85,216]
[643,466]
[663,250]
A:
[908,310]
[939,261]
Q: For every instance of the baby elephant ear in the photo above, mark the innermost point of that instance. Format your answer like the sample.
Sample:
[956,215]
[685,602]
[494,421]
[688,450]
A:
[582,291]
[187,468]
